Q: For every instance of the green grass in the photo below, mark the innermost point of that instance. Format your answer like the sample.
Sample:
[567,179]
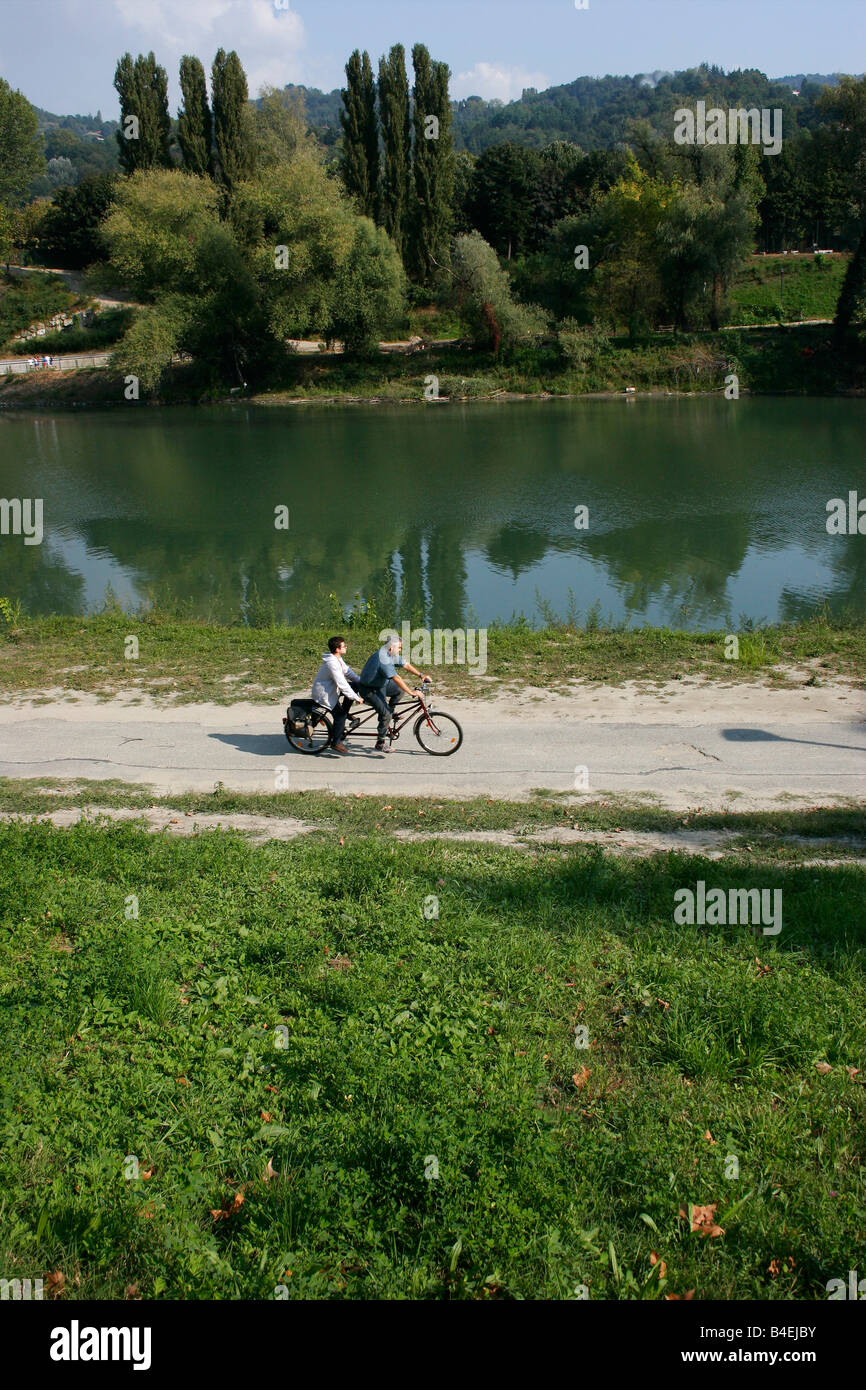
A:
[106,329]
[191,659]
[765,832]
[412,1038]
[30,300]
[810,288]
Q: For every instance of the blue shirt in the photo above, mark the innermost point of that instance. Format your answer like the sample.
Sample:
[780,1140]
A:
[380,668]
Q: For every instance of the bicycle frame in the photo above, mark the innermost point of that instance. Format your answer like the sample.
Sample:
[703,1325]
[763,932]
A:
[415,703]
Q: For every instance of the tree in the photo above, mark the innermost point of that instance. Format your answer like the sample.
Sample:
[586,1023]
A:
[21,158]
[333,273]
[433,167]
[232,119]
[503,195]
[847,103]
[359,163]
[369,291]
[194,122]
[71,235]
[280,128]
[154,229]
[145,125]
[483,297]
[167,243]
[396,124]
[707,231]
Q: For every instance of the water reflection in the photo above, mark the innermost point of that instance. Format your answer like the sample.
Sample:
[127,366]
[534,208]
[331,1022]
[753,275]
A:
[700,510]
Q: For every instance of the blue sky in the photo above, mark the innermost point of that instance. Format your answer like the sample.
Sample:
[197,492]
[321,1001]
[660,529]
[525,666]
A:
[62,53]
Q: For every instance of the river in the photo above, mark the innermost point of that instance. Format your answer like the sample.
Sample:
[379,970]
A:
[700,512]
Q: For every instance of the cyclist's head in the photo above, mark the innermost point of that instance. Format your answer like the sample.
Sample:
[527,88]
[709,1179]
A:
[335,643]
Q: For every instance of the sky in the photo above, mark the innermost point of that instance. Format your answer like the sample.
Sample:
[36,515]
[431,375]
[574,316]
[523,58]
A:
[62,53]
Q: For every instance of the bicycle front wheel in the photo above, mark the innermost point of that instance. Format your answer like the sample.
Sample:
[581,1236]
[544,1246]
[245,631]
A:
[440,736]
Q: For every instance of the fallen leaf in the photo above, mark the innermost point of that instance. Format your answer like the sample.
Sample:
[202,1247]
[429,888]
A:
[340,963]
[762,969]
[675,1297]
[269,1172]
[664,1005]
[149,1174]
[853,1071]
[342,839]
[271,1088]
[703,1220]
[266,1116]
[823,1067]
[709,1138]
[225,1212]
[56,1283]
[181,1081]
[581,1077]
[132,1291]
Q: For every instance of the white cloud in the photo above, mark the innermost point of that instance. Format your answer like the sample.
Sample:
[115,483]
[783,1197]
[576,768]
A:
[491,80]
[267,38]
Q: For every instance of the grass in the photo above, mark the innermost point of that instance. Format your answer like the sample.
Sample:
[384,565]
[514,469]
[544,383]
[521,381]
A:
[106,329]
[810,288]
[801,361]
[765,832]
[30,300]
[331,1086]
[191,660]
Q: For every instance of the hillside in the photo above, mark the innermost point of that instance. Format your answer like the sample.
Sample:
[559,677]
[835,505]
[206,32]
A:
[596,112]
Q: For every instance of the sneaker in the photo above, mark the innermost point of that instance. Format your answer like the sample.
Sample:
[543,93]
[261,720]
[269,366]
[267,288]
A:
[353,724]
[382,746]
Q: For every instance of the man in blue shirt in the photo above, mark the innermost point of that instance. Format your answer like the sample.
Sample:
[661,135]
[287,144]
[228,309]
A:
[380,685]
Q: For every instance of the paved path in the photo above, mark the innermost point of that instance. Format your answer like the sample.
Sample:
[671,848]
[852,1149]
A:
[701,748]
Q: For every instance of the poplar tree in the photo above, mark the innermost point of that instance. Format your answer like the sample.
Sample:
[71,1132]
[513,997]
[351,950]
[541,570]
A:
[143,140]
[360,159]
[433,167]
[233,127]
[194,122]
[396,124]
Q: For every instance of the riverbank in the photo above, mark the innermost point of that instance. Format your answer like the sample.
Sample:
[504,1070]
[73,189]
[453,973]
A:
[797,359]
[181,660]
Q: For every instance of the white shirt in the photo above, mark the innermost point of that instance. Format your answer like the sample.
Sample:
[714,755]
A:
[331,683]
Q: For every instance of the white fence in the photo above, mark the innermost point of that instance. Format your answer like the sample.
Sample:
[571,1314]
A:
[62,364]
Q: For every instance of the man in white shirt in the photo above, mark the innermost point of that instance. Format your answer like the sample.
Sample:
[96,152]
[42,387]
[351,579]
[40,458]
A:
[336,685]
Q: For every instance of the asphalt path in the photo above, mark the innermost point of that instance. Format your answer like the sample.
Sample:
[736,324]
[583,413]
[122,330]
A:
[707,749]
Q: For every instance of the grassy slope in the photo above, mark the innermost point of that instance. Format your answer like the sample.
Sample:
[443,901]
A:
[412,1038]
[191,660]
[810,288]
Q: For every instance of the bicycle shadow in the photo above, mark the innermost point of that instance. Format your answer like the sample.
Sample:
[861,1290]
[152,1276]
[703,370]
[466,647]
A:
[274,745]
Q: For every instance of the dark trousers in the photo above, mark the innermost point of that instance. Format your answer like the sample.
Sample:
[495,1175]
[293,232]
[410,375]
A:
[383,702]
[341,714]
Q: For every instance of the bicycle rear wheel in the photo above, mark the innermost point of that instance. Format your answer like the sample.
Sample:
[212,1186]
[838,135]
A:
[444,738]
[314,738]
